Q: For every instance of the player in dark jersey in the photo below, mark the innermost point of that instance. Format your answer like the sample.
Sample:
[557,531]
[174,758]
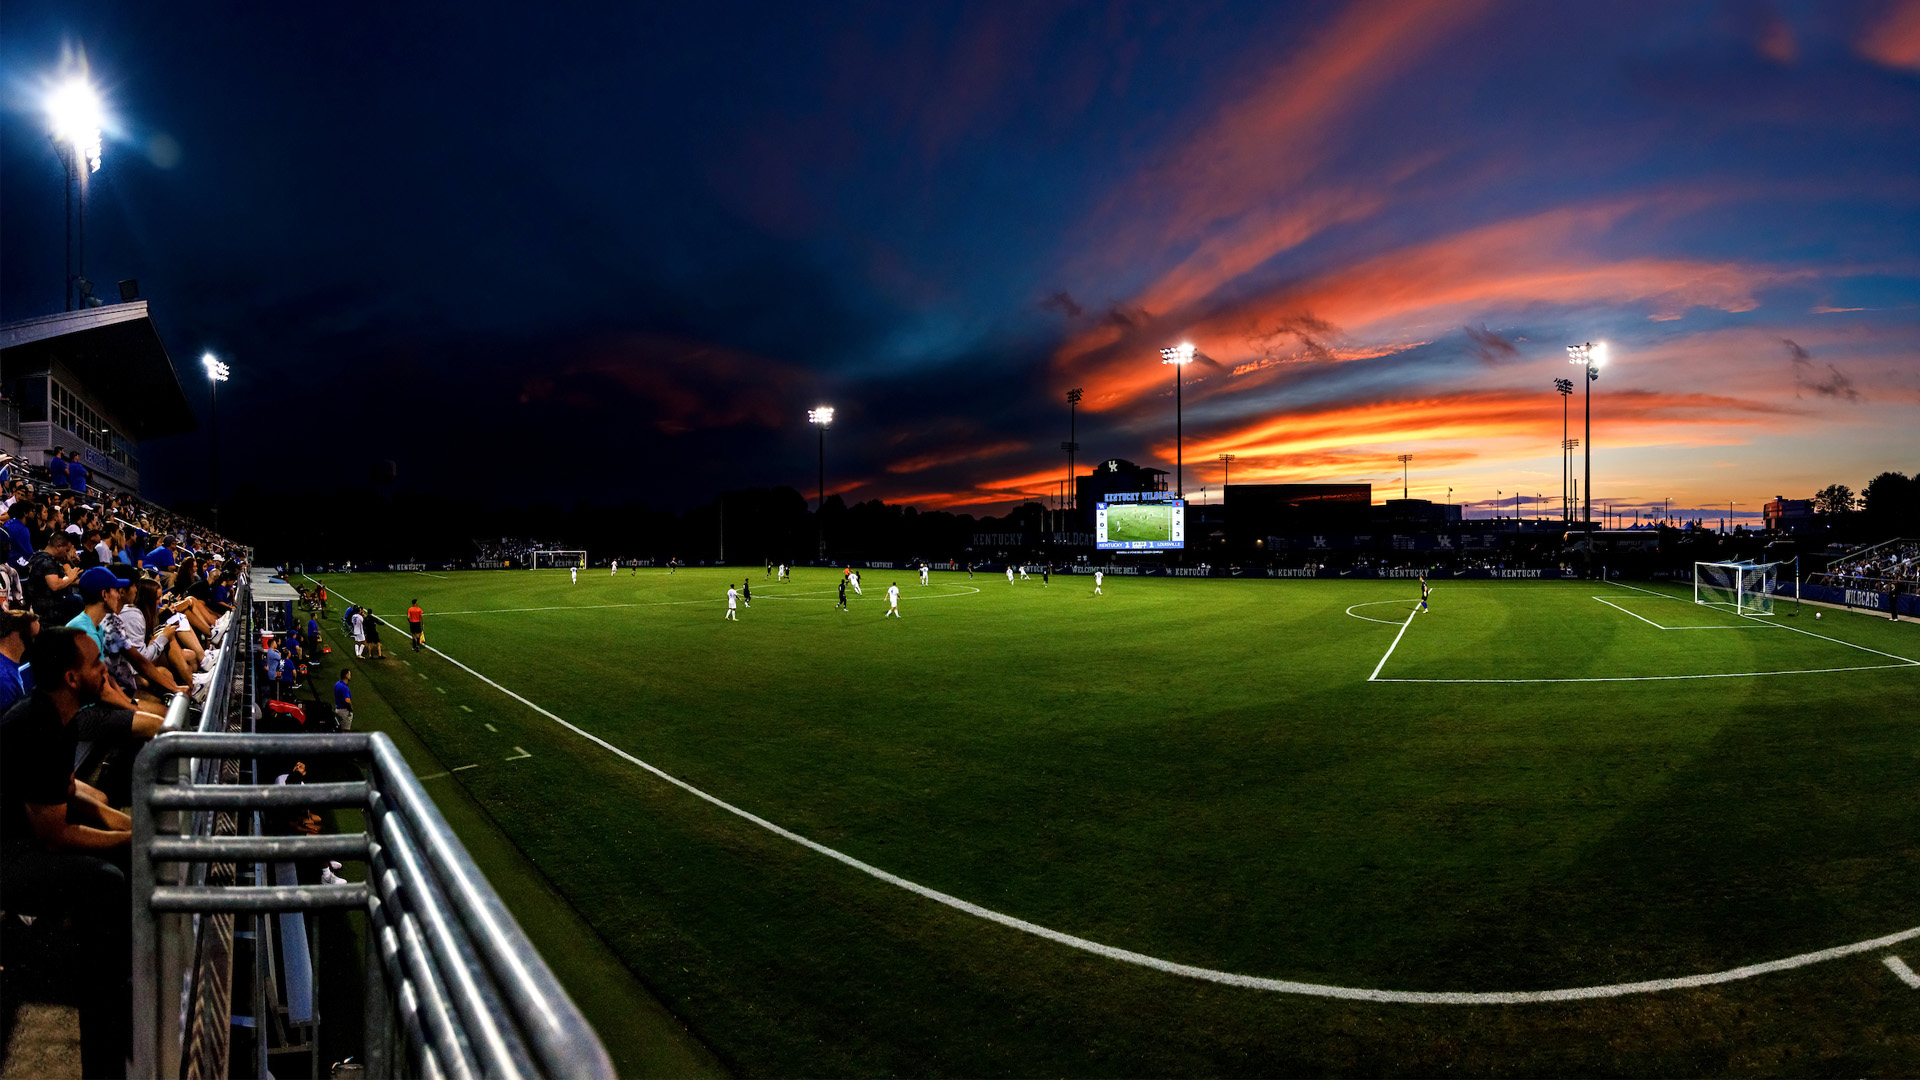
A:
[842,605]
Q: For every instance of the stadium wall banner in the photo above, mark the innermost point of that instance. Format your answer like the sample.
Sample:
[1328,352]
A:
[489,564]
[409,566]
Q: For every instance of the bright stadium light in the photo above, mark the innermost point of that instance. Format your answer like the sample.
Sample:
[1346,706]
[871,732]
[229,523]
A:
[75,115]
[820,417]
[1179,356]
[217,373]
[74,118]
[1589,356]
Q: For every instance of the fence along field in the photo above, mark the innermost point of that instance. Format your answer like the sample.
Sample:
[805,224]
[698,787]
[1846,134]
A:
[1245,803]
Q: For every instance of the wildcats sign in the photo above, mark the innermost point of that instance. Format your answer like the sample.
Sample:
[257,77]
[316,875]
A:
[1123,523]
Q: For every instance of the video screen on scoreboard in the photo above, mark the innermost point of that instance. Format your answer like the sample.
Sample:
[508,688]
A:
[1140,526]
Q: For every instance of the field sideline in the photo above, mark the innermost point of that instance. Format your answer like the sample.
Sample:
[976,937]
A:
[1198,771]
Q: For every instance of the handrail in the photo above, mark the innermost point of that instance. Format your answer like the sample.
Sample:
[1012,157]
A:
[470,995]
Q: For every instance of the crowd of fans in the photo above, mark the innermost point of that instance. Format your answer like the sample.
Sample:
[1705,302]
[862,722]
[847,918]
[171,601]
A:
[1897,563]
[109,606]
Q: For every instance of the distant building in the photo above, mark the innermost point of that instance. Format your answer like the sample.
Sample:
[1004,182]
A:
[1111,476]
[1793,516]
[1256,512]
[96,381]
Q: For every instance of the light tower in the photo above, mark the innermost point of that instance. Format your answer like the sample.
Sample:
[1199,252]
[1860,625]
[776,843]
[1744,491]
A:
[1071,446]
[1226,474]
[74,116]
[1404,459]
[1589,356]
[1179,356]
[217,373]
[820,417]
[1565,387]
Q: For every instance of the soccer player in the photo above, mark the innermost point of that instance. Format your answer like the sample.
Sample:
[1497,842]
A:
[1046,575]
[733,602]
[414,618]
[574,572]
[1023,573]
[1426,590]
[1009,573]
[893,601]
[1098,577]
[856,584]
[746,591]
[359,623]
[842,605]
[615,572]
[923,573]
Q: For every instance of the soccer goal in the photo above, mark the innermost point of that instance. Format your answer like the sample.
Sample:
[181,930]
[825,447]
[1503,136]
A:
[1747,588]
[558,559]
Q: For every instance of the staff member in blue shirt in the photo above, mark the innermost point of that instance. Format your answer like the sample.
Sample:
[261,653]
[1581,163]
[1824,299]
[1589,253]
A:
[343,700]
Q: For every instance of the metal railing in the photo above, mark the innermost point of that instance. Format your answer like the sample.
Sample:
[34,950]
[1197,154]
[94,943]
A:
[453,988]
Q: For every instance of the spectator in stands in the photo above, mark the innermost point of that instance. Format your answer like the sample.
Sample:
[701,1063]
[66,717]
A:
[77,474]
[162,557]
[17,629]
[12,597]
[160,640]
[57,467]
[49,580]
[20,518]
[63,849]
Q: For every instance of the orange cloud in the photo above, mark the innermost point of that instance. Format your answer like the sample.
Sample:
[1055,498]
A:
[1474,417]
[1499,267]
[922,462]
[1895,39]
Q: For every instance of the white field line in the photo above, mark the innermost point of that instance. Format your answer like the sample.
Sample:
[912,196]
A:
[1797,630]
[1642,618]
[1663,678]
[1658,626]
[423,573]
[1226,978]
[1395,645]
[463,768]
[1377,603]
[1902,971]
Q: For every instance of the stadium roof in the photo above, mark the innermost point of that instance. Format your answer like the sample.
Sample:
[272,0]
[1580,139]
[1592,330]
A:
[117,353]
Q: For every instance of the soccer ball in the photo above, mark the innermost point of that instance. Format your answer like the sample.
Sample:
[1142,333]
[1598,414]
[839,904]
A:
[1816,615]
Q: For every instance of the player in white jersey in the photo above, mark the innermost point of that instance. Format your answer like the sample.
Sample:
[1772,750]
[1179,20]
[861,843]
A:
[1023,573]
[1098,577]
[574,572]
[615,572]
[923,573]
[893,601]
[733,603]
[855,578]
[1009,573]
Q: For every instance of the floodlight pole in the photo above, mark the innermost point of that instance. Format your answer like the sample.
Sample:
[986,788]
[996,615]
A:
[1404,458]
[1226,473]
[820,417]
[1588,356]
[217,373]
[1179,356]
[1071,445]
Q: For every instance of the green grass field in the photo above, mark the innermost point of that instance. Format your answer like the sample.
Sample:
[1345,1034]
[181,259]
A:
[1136,522]
[1535,786]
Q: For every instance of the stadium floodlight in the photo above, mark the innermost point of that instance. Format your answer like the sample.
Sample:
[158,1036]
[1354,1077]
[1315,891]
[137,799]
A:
[1589,356]
[1179,356]
[1072,446]
[821,416]
[74,118]
[217,373]
[1565,389]
[1226,473]
[1404,458]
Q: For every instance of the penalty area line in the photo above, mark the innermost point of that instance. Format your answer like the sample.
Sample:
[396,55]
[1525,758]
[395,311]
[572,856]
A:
[1396,644]
[1225,978]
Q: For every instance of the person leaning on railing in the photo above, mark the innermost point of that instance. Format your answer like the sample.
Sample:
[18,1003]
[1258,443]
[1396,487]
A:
[63,849]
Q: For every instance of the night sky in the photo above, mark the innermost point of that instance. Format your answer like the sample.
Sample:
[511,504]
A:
[611,252]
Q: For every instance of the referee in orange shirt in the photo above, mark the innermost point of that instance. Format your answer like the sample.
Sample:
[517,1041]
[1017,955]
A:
[414,617]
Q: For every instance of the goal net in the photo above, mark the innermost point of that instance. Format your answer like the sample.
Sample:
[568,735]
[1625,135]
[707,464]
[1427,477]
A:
[557,559]
[1746,588]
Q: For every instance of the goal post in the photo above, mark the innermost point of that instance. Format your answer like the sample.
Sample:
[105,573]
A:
[557,559]
[1746,588]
